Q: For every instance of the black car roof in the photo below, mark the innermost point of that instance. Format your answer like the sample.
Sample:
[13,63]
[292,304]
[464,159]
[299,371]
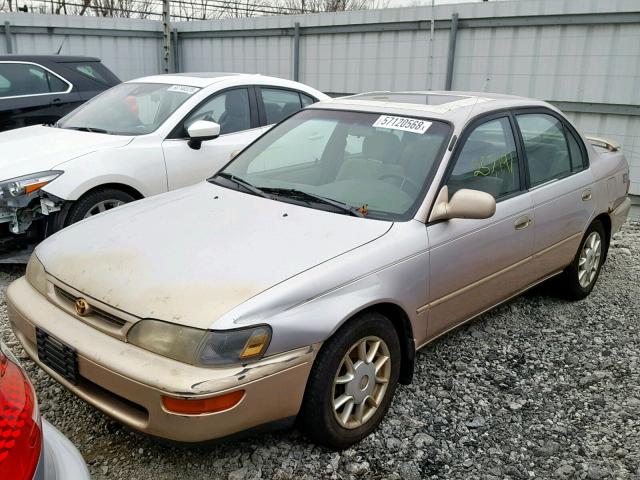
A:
[47,58]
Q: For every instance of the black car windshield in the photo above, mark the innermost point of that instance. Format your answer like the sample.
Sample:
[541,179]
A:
[362,164]
[129,109]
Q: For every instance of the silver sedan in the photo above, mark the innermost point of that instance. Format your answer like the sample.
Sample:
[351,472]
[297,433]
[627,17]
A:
[300,280]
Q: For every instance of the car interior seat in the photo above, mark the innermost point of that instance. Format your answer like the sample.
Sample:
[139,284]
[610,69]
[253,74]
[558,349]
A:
[380,155]
[418,157]
[547,160]
[236,115]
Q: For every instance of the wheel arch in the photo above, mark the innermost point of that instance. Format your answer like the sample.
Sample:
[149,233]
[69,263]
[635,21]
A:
[404,330]
[57,222]
[605,220]
[117,186]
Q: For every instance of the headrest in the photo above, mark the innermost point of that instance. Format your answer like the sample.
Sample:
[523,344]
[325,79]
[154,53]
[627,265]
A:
[383,146]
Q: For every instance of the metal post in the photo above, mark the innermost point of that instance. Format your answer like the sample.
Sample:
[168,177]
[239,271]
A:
[176,51]
[296,51]
[453,33]
[7,37]
[166,34]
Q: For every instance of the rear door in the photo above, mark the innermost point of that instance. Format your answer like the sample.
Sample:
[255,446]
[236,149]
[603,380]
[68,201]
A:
[560,183]
[475,264]
[236,111]
[32,94]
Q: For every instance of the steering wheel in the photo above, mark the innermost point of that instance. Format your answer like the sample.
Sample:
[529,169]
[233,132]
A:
[413,189]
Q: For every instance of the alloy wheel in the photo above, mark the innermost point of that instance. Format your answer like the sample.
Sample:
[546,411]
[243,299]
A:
[361,382]
[103,206]
[589,260]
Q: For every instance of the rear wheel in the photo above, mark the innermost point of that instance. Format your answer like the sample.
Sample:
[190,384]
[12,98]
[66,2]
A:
[579,278]
[352,382]
[96,202]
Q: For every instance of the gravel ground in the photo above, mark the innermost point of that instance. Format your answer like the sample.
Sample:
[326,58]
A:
[537,388]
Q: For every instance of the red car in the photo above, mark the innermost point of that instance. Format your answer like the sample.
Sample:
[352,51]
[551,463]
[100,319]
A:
[30,447]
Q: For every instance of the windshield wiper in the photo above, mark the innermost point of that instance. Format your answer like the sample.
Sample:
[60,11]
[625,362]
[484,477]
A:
[87,129]
[243,183]
[311,197]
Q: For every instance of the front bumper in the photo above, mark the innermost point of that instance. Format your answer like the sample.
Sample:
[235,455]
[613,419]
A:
[127,382]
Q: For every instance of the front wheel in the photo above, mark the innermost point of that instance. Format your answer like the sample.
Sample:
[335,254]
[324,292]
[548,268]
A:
[581,275]
[352,382]
[96,202]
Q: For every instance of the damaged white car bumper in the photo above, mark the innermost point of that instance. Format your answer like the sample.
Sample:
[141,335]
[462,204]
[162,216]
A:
[22,200]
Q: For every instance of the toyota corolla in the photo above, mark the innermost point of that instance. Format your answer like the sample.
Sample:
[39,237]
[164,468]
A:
[299,281]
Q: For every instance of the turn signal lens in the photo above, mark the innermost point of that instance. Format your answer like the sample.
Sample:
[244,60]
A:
[256,344]
[198,406]
[20,434]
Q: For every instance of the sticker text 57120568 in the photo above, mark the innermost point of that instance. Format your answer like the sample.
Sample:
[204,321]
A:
[402,123]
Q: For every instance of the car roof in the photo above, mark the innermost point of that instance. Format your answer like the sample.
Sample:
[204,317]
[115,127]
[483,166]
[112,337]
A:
[452,106]
[47,58]
[203,79]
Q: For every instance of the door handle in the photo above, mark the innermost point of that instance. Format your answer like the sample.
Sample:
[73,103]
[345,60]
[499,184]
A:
[56,101]
[522,223]
[586,195]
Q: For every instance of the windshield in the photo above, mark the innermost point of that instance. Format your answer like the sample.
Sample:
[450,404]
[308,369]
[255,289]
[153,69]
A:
[364,164]
[129,109]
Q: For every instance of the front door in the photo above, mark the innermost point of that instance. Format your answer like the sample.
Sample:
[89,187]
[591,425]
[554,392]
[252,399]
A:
[233,110]
[475,264]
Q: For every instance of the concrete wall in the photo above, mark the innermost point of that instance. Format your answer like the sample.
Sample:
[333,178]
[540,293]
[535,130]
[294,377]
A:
[130,48]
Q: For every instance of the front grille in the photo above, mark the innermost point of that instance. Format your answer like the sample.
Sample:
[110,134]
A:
[57,356]
[95,312]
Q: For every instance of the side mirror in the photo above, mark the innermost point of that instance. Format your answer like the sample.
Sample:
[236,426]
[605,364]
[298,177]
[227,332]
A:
[201,131]
[465,203]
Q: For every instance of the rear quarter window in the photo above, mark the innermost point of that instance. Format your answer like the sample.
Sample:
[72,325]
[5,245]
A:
[93,71]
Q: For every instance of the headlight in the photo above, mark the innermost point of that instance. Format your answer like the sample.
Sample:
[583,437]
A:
[36,275]
[18,186]
[201,347]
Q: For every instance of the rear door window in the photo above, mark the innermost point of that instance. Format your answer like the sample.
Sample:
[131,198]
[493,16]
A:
[23,79]
[545,147]
[5,85]
[279,103]
[578,158]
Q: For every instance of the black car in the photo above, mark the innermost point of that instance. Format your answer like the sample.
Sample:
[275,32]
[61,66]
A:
[37,89]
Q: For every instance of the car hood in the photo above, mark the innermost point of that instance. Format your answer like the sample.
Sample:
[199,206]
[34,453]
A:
[39,148]
[191,255]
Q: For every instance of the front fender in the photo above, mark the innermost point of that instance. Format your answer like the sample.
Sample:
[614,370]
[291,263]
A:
[311,306]
[139,165]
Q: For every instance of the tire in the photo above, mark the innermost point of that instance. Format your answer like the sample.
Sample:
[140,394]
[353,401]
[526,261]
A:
[572,282]
[318,418]
[91,201]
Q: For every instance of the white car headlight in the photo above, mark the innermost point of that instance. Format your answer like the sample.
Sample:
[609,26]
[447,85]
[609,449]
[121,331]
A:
[36,275]
[16,187]
[207,348]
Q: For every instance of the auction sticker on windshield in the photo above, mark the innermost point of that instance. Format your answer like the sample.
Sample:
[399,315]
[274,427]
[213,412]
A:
[183,89]
[402,123]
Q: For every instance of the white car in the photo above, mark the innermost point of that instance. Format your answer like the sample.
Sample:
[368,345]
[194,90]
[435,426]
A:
[138,139]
